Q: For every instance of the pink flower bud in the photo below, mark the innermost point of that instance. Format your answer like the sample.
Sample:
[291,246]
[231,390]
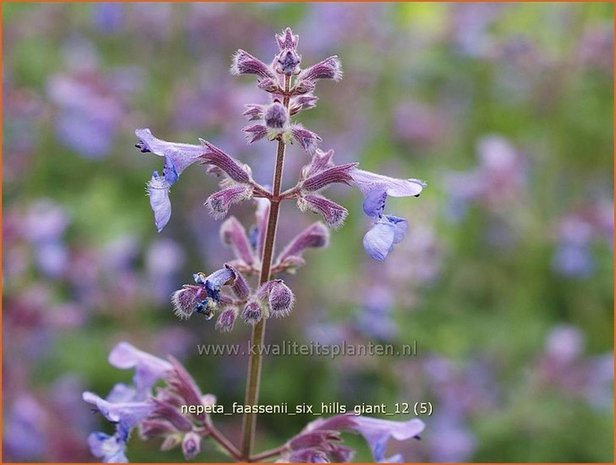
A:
[315,236]
[333,214]
[253,111]
[303,87]
[281,299]
[185,300]
[151,428]
[226,319]
[291,263]
[252,313]
[287,40]
[262,293]
[320,161]
[230,166]
[244,63]
[307,139]
[220,202]
[255,132]
[191,445]
[327,69]
[276,116]
[303,102]
[165,411]
[335,174]
[269,85]
[233,234]
[240,286]
[287,62]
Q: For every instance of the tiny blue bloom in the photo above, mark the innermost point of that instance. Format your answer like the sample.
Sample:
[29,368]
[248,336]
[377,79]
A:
[387,230]
[377,433]
[384,234]
[111,449]
[178,157]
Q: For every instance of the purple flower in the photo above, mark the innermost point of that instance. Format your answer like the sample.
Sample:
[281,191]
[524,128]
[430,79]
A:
[378,432]
[205,296]
[384,234]
[158,191]
[128,414]
[178,157]
[388,230]
[321,436]
[111,449]
[148,368]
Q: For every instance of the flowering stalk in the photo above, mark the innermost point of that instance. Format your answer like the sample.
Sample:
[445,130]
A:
[226,293]
[255,363]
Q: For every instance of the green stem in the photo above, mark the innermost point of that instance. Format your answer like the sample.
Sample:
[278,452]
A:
[258,332]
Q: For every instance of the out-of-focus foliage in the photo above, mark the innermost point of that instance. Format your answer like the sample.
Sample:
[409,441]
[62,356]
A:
[504,280]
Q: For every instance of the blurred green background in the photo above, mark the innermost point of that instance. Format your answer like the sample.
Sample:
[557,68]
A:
[505,279]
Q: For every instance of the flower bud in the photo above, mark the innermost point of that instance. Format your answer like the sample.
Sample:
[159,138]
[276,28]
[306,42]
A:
[287,40]
[191,445]
[276,116]
[291,264]
[253,111]
[255,132]
[151,428]
[281,299]
[244,63]
[231,167]
[269,85]
[264,290]
[240,286]
[307,139]
[186,299]
[287,62]
[233,234]
[219,202]
[168,412]
[333,214]
[335,174]
[252,313]
[303,102]
[226,319]
[315,235]
[327,69]
[303,87]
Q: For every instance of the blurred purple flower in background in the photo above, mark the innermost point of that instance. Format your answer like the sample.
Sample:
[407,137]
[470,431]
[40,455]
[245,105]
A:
[576,233]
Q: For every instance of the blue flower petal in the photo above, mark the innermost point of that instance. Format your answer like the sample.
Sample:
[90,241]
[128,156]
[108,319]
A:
[170,172]
[181,156]
[110,448]
[374,202]
[158,190]
[400,227]
[379,241]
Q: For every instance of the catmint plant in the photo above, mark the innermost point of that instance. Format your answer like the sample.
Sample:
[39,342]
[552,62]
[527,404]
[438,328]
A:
[250,288]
